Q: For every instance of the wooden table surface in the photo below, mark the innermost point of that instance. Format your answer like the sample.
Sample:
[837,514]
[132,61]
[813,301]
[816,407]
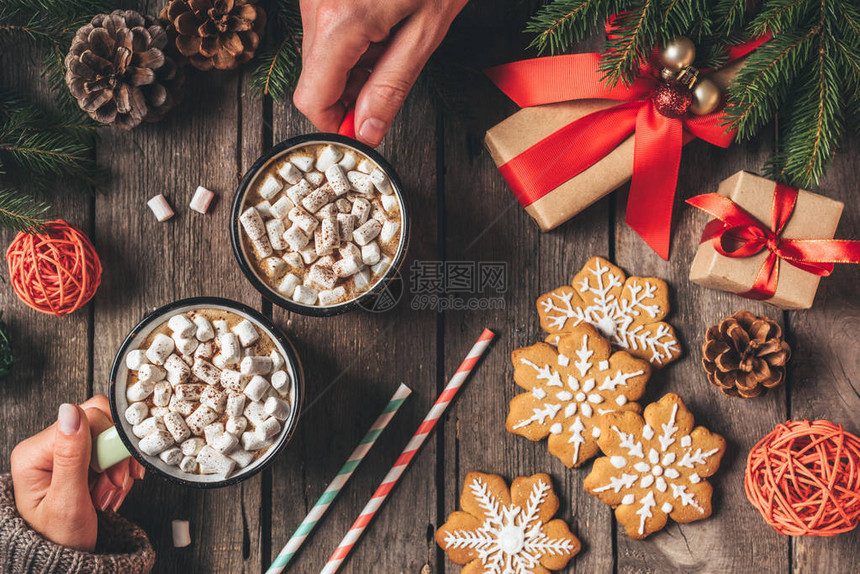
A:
[462,211]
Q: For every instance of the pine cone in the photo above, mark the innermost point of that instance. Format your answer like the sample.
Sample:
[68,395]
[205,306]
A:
[217,34]
[745,355]
[118,71]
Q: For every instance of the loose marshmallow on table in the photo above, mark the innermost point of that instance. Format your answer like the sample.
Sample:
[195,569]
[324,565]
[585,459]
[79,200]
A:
[160,208]
[161,348]
[201,199]
[271,186]
[246,332]
[179,528]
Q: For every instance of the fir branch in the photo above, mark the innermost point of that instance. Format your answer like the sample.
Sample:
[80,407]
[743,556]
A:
[561,23]
[637,32]
[21,212]
[278,69]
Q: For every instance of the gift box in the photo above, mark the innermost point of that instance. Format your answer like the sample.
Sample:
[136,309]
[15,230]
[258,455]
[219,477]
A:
[525,128]
[813,217]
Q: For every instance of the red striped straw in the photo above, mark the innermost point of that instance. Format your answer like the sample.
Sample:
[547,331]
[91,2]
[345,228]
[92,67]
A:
[408,453]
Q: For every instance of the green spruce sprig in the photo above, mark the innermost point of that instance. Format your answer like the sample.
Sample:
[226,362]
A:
[278,68]
[20,211]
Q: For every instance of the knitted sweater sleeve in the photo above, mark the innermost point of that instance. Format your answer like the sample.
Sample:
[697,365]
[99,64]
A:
[123,548]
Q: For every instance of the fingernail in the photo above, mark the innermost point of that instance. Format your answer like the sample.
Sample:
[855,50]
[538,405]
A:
[106,499]
[126,485]
[68,419]
[137,471]
[118,502]
[372,130]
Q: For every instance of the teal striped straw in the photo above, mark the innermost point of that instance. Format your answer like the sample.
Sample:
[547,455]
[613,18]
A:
[343,475]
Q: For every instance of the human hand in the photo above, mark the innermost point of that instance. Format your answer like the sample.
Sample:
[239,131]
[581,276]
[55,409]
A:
[55,490]
[369,52]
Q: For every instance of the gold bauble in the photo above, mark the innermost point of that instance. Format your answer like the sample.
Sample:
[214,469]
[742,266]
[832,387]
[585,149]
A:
[679,53]
[706,97]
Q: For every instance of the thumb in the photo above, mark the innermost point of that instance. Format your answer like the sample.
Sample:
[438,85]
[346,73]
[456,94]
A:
[72,450]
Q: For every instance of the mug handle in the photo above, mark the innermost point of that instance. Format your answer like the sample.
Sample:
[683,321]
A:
[347,125]
[108,450]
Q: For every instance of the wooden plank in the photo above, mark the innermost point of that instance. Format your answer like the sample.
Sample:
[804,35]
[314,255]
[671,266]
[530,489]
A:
[352,365]
[149,264]
[824,373]
[723,543]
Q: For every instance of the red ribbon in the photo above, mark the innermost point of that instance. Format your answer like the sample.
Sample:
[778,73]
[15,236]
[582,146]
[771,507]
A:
[736,233]
[570,150]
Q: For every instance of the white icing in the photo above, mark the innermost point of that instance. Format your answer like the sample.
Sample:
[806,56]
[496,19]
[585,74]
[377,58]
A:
[647,432]
[603,365]
[656,470]
[586,410]
[642,467]
[595,432]
[647,481]
[569,410]
[564,395]
[644,511]
[621,400]
[694,478]
[572,383]
[563,360]
[653,456]
[667,508]
[660,483]
[588,385]
[538,393]
[628,499]
[618,461]
[580,397]
[686,440]
[615,317]
[555,429]
[594,398]
[671,473]
[668,458]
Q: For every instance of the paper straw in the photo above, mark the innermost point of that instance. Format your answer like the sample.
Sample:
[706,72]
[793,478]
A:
[408,453]
[343,476]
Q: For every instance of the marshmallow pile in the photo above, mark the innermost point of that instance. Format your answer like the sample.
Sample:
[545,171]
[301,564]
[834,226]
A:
[202,399]
[327,227]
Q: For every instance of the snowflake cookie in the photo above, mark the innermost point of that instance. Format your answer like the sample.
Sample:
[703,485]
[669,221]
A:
[655,468]
[629,312]
[501,531]
[569,388]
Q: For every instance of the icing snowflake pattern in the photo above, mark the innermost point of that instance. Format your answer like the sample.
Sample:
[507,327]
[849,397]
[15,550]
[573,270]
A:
[570,388]
[655,468]
[628,311]
[510,536]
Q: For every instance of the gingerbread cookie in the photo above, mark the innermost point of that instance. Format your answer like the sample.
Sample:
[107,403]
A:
[569,388]
[501,531]
[655,467]
[628,311]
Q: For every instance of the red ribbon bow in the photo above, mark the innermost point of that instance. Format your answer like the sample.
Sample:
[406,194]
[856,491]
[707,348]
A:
[570,150]
[736,233]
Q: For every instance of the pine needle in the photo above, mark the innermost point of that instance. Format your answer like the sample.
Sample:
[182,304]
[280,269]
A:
[278,68]
[19,211]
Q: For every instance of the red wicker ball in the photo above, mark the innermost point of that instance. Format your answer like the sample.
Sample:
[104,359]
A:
[804,478]
[56,271]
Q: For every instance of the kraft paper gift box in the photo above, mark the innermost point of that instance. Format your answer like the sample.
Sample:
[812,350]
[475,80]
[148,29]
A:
[814,217]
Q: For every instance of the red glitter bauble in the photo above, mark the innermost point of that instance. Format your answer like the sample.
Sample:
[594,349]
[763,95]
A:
[804,478]
[56,271]
[672,99]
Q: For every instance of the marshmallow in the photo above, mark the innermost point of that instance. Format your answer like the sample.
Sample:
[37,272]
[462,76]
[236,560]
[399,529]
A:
[315,178]
[277,408]
[302,161]
[361,279]
[366,166]
[185,346]
[332,296]
[294,260]
[233,380]
[277,360]
[343,205]
[190,392]
[229,344]
[360,182]
[236,425]
[290,173]
[361,211]
[182,406]
[189,465]
[370,253]
[273,266]
[329,234]
[268,428]
[304,220]
[204,330]
[134,359]
[275,230]
[256,365]
[256,388]
[309,254]
[329,156]
[177,369]
[378,215]
[201,199]
[328,211]
[255,412]
[213,462]
[221,326]
[225,443]
[171,456]
[206,371]
[161,394]
[253,441]
[382,265]
[155,443]
[136,413]
[252,223]
[348,162]
[235,404]
[246,332]
[347,266]
[160,208]
[314,201]
[322,249]
[280,209]
[299,191]
[305,295]
[160,349]
[214,399]
[380,181]
[337,180]
[270,187]
[390,203]
[192,446]
[139,391]
[280,381]
[389,231]
[262,246]
[212,432]
[367,232]
[150,373]
[241,457]
[147,427]
[176,427]
[288,284]
[295,238]
[345,226]
[265,208]
[205,350]
[321,277]
[200,418]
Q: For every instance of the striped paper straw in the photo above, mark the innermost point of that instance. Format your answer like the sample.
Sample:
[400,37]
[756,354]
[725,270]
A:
[408,453]
[343,475]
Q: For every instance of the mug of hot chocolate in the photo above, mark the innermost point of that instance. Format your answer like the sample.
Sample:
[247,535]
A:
[203,391]
[319,224]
